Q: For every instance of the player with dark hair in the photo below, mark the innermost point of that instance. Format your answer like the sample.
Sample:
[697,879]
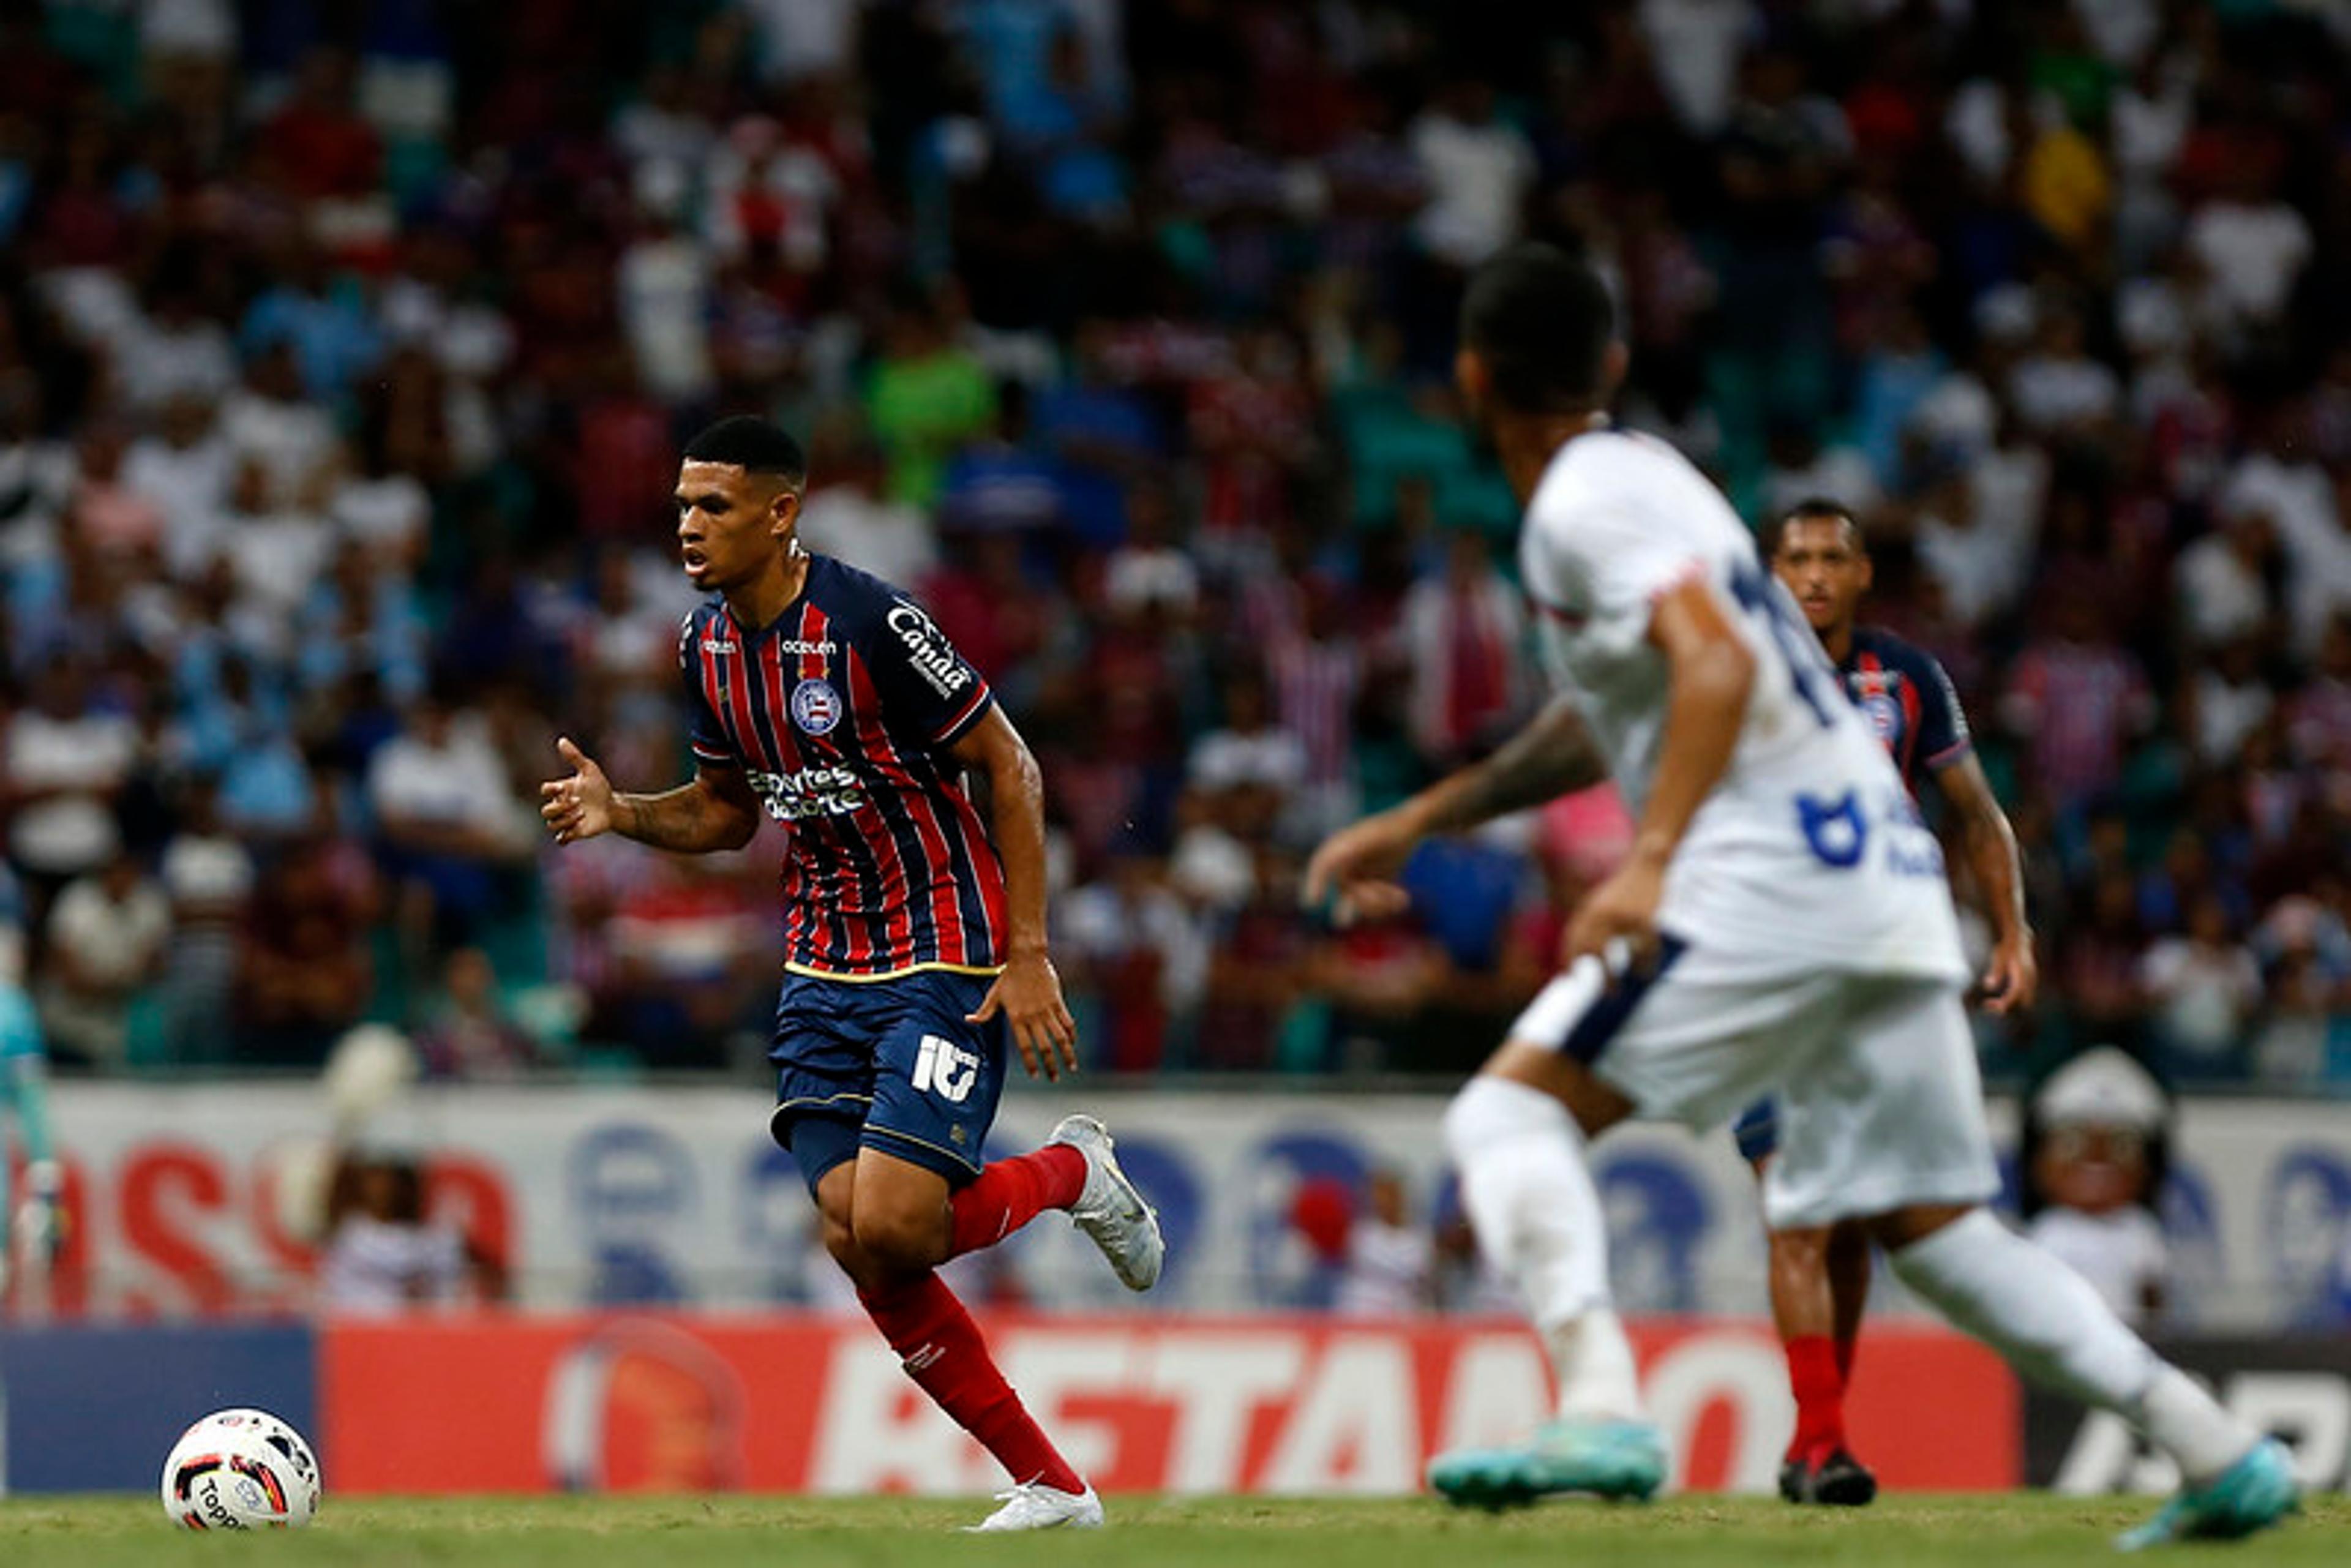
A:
[914,937]
[1819,1276]
[1782,926]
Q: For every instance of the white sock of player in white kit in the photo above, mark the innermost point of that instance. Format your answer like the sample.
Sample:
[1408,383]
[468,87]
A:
[1538,1218]
[2058,1332]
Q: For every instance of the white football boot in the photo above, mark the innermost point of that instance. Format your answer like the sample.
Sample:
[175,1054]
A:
[1110,1210]
[1032,1505]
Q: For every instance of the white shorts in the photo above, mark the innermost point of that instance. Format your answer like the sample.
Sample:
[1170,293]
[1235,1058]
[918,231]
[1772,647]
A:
[1880,1104]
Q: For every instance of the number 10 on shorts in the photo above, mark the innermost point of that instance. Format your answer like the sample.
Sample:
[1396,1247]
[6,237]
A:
[945,1069]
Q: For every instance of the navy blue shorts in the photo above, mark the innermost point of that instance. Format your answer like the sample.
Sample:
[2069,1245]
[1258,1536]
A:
[887,1064]
[1757,1131]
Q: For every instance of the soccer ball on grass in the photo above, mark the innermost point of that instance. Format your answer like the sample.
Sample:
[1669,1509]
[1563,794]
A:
[241,1469]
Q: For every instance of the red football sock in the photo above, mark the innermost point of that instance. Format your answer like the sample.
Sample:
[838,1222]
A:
[1010,1193]
[1845,1348]
[942,1350]
[1820,1396]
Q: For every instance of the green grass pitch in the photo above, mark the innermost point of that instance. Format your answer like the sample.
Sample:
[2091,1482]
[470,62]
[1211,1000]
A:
[1996,1532]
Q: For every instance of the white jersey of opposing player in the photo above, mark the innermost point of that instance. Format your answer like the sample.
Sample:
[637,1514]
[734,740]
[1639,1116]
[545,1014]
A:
[1809,854]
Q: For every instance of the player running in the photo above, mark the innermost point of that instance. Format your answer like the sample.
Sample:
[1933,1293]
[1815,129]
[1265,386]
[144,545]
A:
[1781,925]
[1820,1277]
[915,938]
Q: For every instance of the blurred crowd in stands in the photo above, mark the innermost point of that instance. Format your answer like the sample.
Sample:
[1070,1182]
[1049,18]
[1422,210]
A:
[345,350]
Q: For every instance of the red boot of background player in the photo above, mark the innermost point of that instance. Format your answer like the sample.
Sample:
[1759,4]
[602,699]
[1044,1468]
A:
[1818,1468]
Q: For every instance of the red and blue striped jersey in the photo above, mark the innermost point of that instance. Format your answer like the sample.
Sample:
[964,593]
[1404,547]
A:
[841,714]
[1908,701]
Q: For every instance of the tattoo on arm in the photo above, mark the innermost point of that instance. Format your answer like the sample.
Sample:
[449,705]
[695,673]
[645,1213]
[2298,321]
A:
[693,818]
[1552,756]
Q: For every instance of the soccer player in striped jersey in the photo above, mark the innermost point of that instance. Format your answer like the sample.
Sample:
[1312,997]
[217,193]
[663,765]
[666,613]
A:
[914,934]
[1820,1275]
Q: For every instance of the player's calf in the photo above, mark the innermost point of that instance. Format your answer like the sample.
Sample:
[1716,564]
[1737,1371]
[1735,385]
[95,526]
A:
[2059,1333]
[1009,1193]
[898,1243]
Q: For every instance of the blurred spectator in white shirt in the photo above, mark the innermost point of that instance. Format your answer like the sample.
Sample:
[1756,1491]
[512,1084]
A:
[275,550]
[270,419]
[176,351]
[446,814]
[849,515]
[2205,988]
[2228,696]
[664,285]
[2059,387]
[2280,477]
[386,1254]
[383,509]
[1978,558]
[65,763]
[1478,169]
[2224,577]
[1390,1266]
[186,468]
[1694,47]
[106,940]
[1138,954]
[2254,248]
[1802,468]
[208,875]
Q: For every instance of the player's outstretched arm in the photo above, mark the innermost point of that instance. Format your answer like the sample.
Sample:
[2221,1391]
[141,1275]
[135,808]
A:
[1989,843]
[1554,754]
[1028,992]
[1709,671]
[715,811]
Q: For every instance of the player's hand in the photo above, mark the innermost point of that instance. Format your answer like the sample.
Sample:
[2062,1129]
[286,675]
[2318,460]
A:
[41,1229]
[1028,994]
[1622,909]
[2013,975]
[580,806]
[1357,867]
[41,1217]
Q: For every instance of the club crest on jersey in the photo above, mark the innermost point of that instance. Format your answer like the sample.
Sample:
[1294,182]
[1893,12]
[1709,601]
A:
[815,706]
[1884,714]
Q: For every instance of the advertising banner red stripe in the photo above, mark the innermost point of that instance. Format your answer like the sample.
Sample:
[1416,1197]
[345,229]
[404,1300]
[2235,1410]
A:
[1173,1404]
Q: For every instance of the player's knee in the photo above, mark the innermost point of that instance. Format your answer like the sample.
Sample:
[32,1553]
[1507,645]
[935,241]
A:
[1492,1109]
[1807,1248]
[840,1241]
[862,1270]
[899,1240]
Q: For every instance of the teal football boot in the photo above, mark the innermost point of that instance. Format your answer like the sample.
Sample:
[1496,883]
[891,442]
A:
[1622,1459]
[2252,1494]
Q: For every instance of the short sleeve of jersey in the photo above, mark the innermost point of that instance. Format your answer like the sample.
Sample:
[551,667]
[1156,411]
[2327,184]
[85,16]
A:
[702,728]
[1602,568]
[928,690]
[1943,737]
